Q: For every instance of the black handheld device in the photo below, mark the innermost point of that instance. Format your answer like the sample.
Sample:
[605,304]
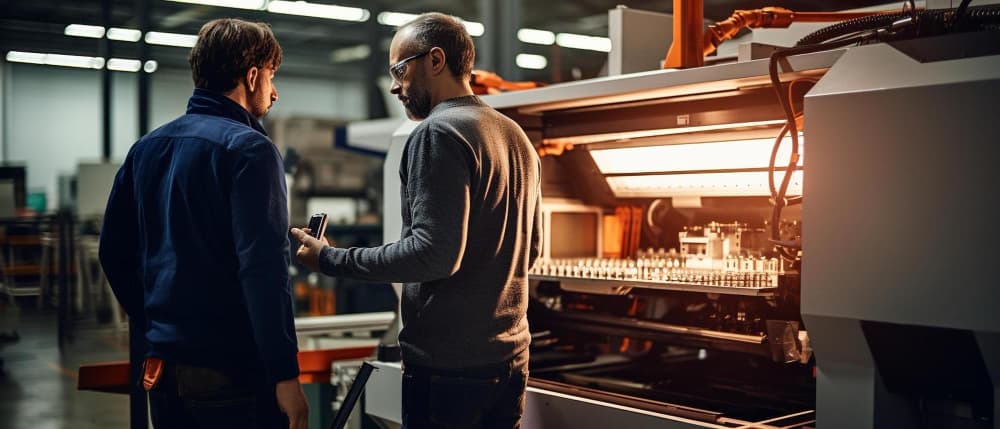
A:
[317,225]
[353,394]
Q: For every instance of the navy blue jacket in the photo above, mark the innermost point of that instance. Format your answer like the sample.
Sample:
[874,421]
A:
[195,240]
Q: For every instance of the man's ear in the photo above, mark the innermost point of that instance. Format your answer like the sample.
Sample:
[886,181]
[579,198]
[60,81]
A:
[251,77]
[439,62]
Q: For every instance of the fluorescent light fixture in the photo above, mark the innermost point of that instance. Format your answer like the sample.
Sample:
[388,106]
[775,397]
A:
[78,61]
[727,155]
[80,30]
[536,37]
[236,4]
[150,66]
[475,29]
[352,53]
[395,19]
[171,39]
[533,62]
[25,57]
[625,135]
[315,10]
[700,185]
[119,64]
[579,41]
[124,34]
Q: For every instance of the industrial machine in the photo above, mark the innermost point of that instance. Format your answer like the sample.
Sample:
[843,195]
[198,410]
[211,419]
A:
[677,289]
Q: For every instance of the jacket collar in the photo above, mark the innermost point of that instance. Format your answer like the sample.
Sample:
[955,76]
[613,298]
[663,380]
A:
[208,102]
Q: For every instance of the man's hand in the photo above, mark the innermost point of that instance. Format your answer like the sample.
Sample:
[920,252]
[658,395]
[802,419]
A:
[310,248]
[292,402]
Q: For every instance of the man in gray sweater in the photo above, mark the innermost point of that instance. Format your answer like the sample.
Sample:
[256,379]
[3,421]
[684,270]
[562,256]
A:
[470,207]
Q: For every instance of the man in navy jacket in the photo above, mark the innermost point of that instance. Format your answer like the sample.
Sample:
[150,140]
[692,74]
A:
[195,242]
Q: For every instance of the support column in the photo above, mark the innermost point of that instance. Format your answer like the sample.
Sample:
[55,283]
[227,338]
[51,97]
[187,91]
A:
[105,51]
[377,64]
[142,12]
[498,47]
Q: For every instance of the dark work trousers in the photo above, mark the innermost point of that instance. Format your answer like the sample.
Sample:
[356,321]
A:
[490,397]
[195,397]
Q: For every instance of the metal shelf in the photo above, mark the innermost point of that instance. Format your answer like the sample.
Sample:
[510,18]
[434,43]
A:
[621,287]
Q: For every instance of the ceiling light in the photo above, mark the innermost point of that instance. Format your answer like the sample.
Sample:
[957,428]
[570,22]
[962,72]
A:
[124,34]
[533,62]
[475,29]
[171,39]
[579,41]
[353,53]
[238,4]
[118,64]
[328,11]
[725,155]
[25,57]
[74,61]
[150,66]
[537,37]
[395,19]
[80,30]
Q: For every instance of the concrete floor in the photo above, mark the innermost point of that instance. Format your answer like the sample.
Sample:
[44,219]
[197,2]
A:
[38,386]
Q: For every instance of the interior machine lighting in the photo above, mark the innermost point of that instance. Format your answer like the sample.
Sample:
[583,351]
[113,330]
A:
[729,184]
[608,137]
[725,155]
[77,61]
[315,10]
[81,30]
[351,53]
[532,62]
[124,34]
[395,19]
[150,66]
[579,41]
[237,4]
[119,64]
[171,39]
[536,37]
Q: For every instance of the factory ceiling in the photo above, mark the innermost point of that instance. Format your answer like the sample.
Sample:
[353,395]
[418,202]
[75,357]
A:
[334,49]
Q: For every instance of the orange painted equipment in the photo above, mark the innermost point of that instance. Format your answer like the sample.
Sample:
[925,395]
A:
[689,39]
[314,367]
[484,82]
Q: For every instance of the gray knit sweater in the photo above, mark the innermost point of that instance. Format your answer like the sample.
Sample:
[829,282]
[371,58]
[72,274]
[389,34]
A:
[470,202]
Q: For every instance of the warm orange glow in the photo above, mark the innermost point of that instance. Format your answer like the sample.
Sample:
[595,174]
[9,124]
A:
[700,184]
[728,155]
[626,135]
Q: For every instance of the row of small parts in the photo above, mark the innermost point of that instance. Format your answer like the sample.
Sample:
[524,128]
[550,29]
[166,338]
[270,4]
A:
[674,275]
[752,264]
[739,264]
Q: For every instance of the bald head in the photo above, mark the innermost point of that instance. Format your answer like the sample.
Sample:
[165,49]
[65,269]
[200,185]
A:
[442,31]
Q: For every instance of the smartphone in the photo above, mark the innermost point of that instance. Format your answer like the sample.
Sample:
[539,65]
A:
[317,225]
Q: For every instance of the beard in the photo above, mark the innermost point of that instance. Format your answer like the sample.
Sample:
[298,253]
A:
[417,103]
[260,103]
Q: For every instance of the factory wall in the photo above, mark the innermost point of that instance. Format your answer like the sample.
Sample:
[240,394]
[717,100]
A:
[52,116]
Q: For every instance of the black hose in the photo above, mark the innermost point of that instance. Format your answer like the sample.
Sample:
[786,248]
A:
[851,26]
[930,23]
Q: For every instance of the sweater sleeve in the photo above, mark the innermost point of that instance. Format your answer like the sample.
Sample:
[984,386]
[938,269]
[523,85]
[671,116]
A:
[536,230]
[438,174]
[260,232]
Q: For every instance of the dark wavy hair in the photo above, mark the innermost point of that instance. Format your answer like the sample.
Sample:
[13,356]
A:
[439,30]
[227,48]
